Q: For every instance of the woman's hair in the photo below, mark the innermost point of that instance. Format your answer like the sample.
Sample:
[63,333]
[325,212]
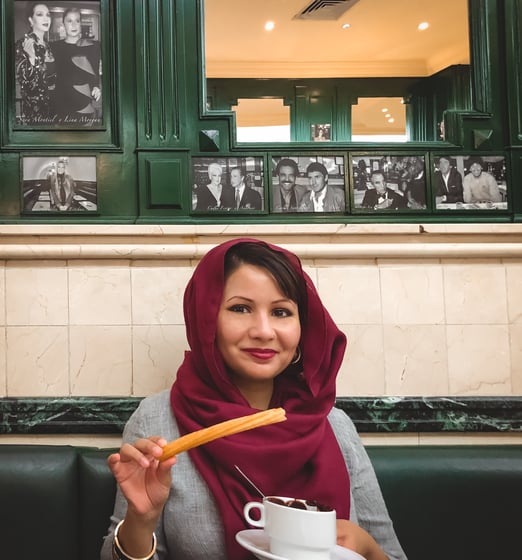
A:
[290,282]
[29,12]
[214,166]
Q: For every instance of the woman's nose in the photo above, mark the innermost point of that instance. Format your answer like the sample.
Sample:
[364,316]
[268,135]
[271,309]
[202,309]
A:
[262,326]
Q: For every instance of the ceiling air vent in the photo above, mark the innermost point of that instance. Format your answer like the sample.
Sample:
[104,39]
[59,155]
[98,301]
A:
[319,10]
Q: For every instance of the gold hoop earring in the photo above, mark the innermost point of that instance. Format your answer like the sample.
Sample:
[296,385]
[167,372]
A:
[297,356]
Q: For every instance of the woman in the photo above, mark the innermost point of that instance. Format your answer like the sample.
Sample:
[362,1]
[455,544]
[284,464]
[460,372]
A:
[208,197]
[35,69]
[61,187]
[260,338]
[77,73]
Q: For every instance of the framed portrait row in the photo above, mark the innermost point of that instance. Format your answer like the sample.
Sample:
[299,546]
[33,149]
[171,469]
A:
[357,183]
[333,183]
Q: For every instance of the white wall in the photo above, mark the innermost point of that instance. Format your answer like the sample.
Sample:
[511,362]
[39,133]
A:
[97,310]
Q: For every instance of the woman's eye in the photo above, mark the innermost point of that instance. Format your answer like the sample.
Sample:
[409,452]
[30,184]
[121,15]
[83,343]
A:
[280,312]
[239,308]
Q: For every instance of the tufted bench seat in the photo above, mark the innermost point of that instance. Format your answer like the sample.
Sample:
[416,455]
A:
[447,502]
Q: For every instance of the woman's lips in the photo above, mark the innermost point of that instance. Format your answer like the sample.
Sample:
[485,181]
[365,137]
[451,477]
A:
[260,353]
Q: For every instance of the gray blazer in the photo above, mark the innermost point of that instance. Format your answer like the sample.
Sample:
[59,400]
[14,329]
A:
[190,527]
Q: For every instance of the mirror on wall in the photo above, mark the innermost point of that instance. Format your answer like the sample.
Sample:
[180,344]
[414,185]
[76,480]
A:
[351,54]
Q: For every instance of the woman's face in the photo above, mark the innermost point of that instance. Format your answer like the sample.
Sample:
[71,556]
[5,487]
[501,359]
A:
[258,327]
[476,169]
[41,18]
[215,176]
[72,25]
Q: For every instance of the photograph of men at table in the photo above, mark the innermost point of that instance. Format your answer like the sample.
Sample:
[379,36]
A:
[389,183]
[470,183]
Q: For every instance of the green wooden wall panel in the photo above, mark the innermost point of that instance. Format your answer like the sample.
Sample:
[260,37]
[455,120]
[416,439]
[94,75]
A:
[164,184]
[155,103]
[157,73]
[513,18]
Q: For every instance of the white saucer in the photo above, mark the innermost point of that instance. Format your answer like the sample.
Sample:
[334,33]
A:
[256,540]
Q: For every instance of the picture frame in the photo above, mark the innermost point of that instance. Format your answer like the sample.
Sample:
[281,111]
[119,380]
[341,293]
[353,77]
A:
[59,184]
[308,184]
[228,184]
[388,183]
[57,70]
[467,182]
[321,132]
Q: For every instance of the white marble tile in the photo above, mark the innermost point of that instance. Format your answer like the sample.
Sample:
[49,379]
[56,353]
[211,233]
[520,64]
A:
[475,294]
[157,294]
[3,376]
[36,293]
[412,295]
[2,292]
[158,352]
[362,371]
[351,293]
[101,360]
[100,294]
[514,292]
[37,361]
[101,441]
[415,360]
[478,360]
[515,332]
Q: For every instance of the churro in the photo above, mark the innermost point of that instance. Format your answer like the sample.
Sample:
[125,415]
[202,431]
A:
[223,429]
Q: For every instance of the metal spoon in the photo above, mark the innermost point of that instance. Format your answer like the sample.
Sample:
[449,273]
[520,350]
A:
[250,482]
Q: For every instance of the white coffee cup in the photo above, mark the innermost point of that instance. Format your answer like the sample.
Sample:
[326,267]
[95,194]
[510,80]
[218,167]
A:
[294,534]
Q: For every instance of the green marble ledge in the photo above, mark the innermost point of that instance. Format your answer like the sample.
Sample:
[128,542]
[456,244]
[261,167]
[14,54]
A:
[98,415]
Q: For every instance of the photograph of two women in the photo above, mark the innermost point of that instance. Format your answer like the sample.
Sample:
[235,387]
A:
[58,70]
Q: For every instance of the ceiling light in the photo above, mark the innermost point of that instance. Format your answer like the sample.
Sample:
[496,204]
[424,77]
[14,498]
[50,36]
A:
[422,26]
[269,25]
[345,26]
[392,120]
[387,115]
[384,110]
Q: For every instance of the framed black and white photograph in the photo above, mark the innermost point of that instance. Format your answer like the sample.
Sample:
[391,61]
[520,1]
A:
[470,182]
[228,184]
[59,184]
[313,183]
[320,132]
[389,183]
[58,69]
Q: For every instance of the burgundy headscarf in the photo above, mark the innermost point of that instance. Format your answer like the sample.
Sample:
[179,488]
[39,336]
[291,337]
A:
[299,457]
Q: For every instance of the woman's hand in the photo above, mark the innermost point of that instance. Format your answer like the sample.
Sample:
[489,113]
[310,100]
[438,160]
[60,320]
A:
[28,46]
[143,480]
[96,93]
[350,535]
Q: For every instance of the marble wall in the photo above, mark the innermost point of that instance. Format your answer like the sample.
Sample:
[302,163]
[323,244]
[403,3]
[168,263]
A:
[99,312]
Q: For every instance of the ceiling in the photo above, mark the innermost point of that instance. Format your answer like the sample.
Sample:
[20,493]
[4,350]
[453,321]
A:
[382,41]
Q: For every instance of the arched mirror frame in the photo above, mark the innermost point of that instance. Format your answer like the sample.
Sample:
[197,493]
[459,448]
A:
[453,120]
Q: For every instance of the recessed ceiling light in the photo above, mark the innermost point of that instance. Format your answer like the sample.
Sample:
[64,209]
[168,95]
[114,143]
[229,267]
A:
[385,110]
[387,115]
[422,26]
[392,120]
[345,26]
[269,25]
